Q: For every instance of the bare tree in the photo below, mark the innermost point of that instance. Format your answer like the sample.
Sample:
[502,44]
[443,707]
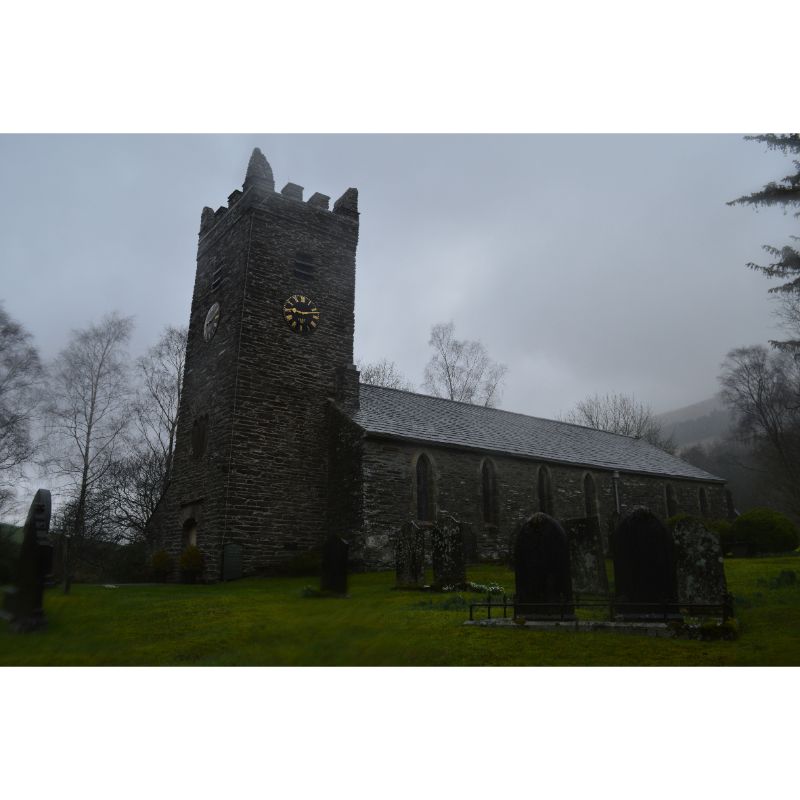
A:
[384,373]
[88,410]
[620,413]
[20,384]
[762,388]
[462,370]
[131,488]
[159,398]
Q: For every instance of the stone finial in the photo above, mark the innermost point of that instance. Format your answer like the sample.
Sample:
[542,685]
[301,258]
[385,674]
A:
[206,220]
[347,204]
[259,173]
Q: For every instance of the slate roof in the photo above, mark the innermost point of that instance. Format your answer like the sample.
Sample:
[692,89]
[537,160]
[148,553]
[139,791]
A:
[420,418]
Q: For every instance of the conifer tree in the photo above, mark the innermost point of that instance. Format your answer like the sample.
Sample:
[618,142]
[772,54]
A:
[785,264]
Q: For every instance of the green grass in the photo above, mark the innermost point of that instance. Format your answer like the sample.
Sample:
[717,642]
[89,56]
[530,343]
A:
[269,622]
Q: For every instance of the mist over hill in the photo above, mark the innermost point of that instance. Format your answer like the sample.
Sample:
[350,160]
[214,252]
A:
[702,423]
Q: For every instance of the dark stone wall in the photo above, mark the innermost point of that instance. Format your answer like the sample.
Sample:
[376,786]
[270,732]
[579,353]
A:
[262,481]
[389,494]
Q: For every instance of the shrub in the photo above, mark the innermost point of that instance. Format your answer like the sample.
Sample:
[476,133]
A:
[673,521]
[162,565]
[723,528]
[192,563]
[765,531]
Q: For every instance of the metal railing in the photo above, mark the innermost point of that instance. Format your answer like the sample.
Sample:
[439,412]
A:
[615,609]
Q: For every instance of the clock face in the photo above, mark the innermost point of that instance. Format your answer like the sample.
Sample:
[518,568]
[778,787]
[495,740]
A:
[301,313]
[212,320]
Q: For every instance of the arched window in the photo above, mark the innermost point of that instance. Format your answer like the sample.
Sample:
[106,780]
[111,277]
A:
[672,506]
[489,492]
[189,533]
[545,491]
[424,489]
[703,497]
[589,495]
[729,506]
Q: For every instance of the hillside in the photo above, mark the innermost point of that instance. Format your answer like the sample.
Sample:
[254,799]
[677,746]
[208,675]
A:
[700,423]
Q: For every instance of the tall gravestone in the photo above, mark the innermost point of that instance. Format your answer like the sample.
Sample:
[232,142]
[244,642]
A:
[699,565]
[470,540]
[409,555]
[644,566]
[447,546]
[586,553]
[334,565]
[542,569]
[35,564]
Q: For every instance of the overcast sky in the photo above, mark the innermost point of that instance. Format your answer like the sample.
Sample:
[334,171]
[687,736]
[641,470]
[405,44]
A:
[585,263]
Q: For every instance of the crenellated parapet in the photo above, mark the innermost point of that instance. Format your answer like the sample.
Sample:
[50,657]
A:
[259,186]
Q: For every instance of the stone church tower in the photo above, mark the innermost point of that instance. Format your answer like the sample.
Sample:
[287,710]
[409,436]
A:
[270,341]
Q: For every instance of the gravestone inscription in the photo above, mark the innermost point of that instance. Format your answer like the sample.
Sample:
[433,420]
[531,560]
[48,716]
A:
[409,555]
[585,539]
[699,565]
[644,566]
[542,569]
[334,565]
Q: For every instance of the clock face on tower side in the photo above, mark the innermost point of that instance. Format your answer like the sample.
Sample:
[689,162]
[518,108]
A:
[301,313]
[212,320]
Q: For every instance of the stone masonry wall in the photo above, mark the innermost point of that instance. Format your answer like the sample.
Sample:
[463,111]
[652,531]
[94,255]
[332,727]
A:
[389,486]
[262,480]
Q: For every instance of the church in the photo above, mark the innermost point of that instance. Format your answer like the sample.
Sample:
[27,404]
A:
[280,444]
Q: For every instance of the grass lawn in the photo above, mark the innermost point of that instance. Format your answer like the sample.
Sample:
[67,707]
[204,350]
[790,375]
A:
[269,622]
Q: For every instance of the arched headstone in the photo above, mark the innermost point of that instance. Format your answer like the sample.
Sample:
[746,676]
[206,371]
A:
[644,565]
[409,556]
[542,569]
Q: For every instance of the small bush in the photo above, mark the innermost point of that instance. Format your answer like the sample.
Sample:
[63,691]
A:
[192,563]
[672,522]
[723,528]
[162,565]
[765,531]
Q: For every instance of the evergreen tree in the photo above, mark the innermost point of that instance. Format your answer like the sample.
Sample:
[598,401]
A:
[785,265]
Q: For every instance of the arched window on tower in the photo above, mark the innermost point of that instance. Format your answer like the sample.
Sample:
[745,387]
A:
[424,489]
[589,495]
[703,498]
[489,492]
[544,491]
[672,505]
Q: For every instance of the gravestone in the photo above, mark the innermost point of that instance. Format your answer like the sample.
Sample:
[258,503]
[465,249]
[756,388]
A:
[470,542]
[409,556]
[585,539]
[25,602]
[447,546]
[644,566]
[542,569]
[699,565]
[334,565]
